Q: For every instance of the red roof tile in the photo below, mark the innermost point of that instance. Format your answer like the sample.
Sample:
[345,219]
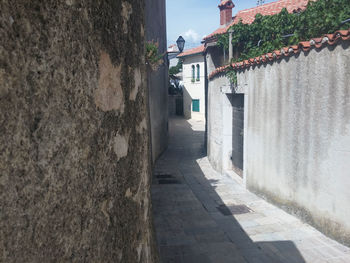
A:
[329,39]
[248,15]
[192,51]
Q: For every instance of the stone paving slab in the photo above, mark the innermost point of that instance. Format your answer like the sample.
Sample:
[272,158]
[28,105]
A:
[190,228]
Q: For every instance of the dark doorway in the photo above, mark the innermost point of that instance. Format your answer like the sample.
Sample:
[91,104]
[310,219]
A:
[237,133]
[179,106]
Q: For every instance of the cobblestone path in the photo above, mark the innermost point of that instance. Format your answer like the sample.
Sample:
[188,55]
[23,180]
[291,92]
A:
[201,216]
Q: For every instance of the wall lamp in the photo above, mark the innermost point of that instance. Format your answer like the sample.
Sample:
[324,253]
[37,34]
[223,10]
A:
[180,42]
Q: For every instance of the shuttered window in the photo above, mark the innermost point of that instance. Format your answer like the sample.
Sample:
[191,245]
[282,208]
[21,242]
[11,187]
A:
[198,72]
[193,73]
[195,105]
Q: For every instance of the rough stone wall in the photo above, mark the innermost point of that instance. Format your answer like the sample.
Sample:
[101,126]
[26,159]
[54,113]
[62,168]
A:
[297,136]
[74,144]
[158,82]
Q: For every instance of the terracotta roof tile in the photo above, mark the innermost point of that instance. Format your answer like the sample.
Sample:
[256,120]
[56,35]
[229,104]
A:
[192,51]
[328,39]
[248,15]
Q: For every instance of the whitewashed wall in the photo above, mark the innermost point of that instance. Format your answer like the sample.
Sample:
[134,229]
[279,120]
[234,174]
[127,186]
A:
[297,136]
[193,90]
[219,144]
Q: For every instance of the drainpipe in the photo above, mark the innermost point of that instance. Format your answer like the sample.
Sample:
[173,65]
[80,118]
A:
[206,87]
[230,46]
[224,54]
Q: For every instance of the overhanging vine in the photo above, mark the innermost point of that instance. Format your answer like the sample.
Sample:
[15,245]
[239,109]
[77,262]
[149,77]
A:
[269,33]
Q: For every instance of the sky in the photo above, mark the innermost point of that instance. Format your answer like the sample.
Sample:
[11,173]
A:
[194,19]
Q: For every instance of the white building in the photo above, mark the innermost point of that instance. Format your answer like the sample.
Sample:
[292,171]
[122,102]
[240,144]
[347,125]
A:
[172,51]
[194,82]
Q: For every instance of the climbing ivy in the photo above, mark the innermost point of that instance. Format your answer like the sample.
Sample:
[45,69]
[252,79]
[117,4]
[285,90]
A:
[232,76]
[268,33]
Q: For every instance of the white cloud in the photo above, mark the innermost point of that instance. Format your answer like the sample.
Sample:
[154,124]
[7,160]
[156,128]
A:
[191,36]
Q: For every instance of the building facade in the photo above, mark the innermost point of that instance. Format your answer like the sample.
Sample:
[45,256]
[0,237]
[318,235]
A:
[284,128]
[193,83]
[220,152]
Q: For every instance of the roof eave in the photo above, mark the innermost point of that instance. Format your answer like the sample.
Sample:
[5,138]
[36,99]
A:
[190,55]
[210,39]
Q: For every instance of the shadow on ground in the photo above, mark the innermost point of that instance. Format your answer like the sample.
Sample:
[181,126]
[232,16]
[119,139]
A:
[192,222]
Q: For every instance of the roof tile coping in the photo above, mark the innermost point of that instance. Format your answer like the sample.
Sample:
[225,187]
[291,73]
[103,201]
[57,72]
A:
[330,39]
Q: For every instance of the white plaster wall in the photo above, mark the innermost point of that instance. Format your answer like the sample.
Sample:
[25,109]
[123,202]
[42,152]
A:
[297,136]
[219,144]
[173,62]
[193,90]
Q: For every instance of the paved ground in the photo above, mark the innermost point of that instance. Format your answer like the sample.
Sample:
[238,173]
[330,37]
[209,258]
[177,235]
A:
[186,195]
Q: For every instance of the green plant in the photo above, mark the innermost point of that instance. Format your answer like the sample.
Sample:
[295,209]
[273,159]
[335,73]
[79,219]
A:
[153,58]
[268,33]
[232,76]
[176,69]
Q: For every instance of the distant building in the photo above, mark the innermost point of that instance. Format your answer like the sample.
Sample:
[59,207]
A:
[194,82]
[172,56]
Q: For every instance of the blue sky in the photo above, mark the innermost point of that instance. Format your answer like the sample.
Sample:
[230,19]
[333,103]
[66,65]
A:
[194,19]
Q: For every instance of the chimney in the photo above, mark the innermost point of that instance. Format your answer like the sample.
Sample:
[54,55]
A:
[226,11]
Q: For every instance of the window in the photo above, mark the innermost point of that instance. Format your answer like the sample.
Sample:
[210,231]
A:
[193,73]
[198,72]
[195,105]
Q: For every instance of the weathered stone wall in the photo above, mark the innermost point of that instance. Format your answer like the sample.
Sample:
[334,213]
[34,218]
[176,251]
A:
[74,144]
[158,82]
[297,135]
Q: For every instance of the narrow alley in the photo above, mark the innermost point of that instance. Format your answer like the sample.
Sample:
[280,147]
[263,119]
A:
[96,164]
[202,216]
